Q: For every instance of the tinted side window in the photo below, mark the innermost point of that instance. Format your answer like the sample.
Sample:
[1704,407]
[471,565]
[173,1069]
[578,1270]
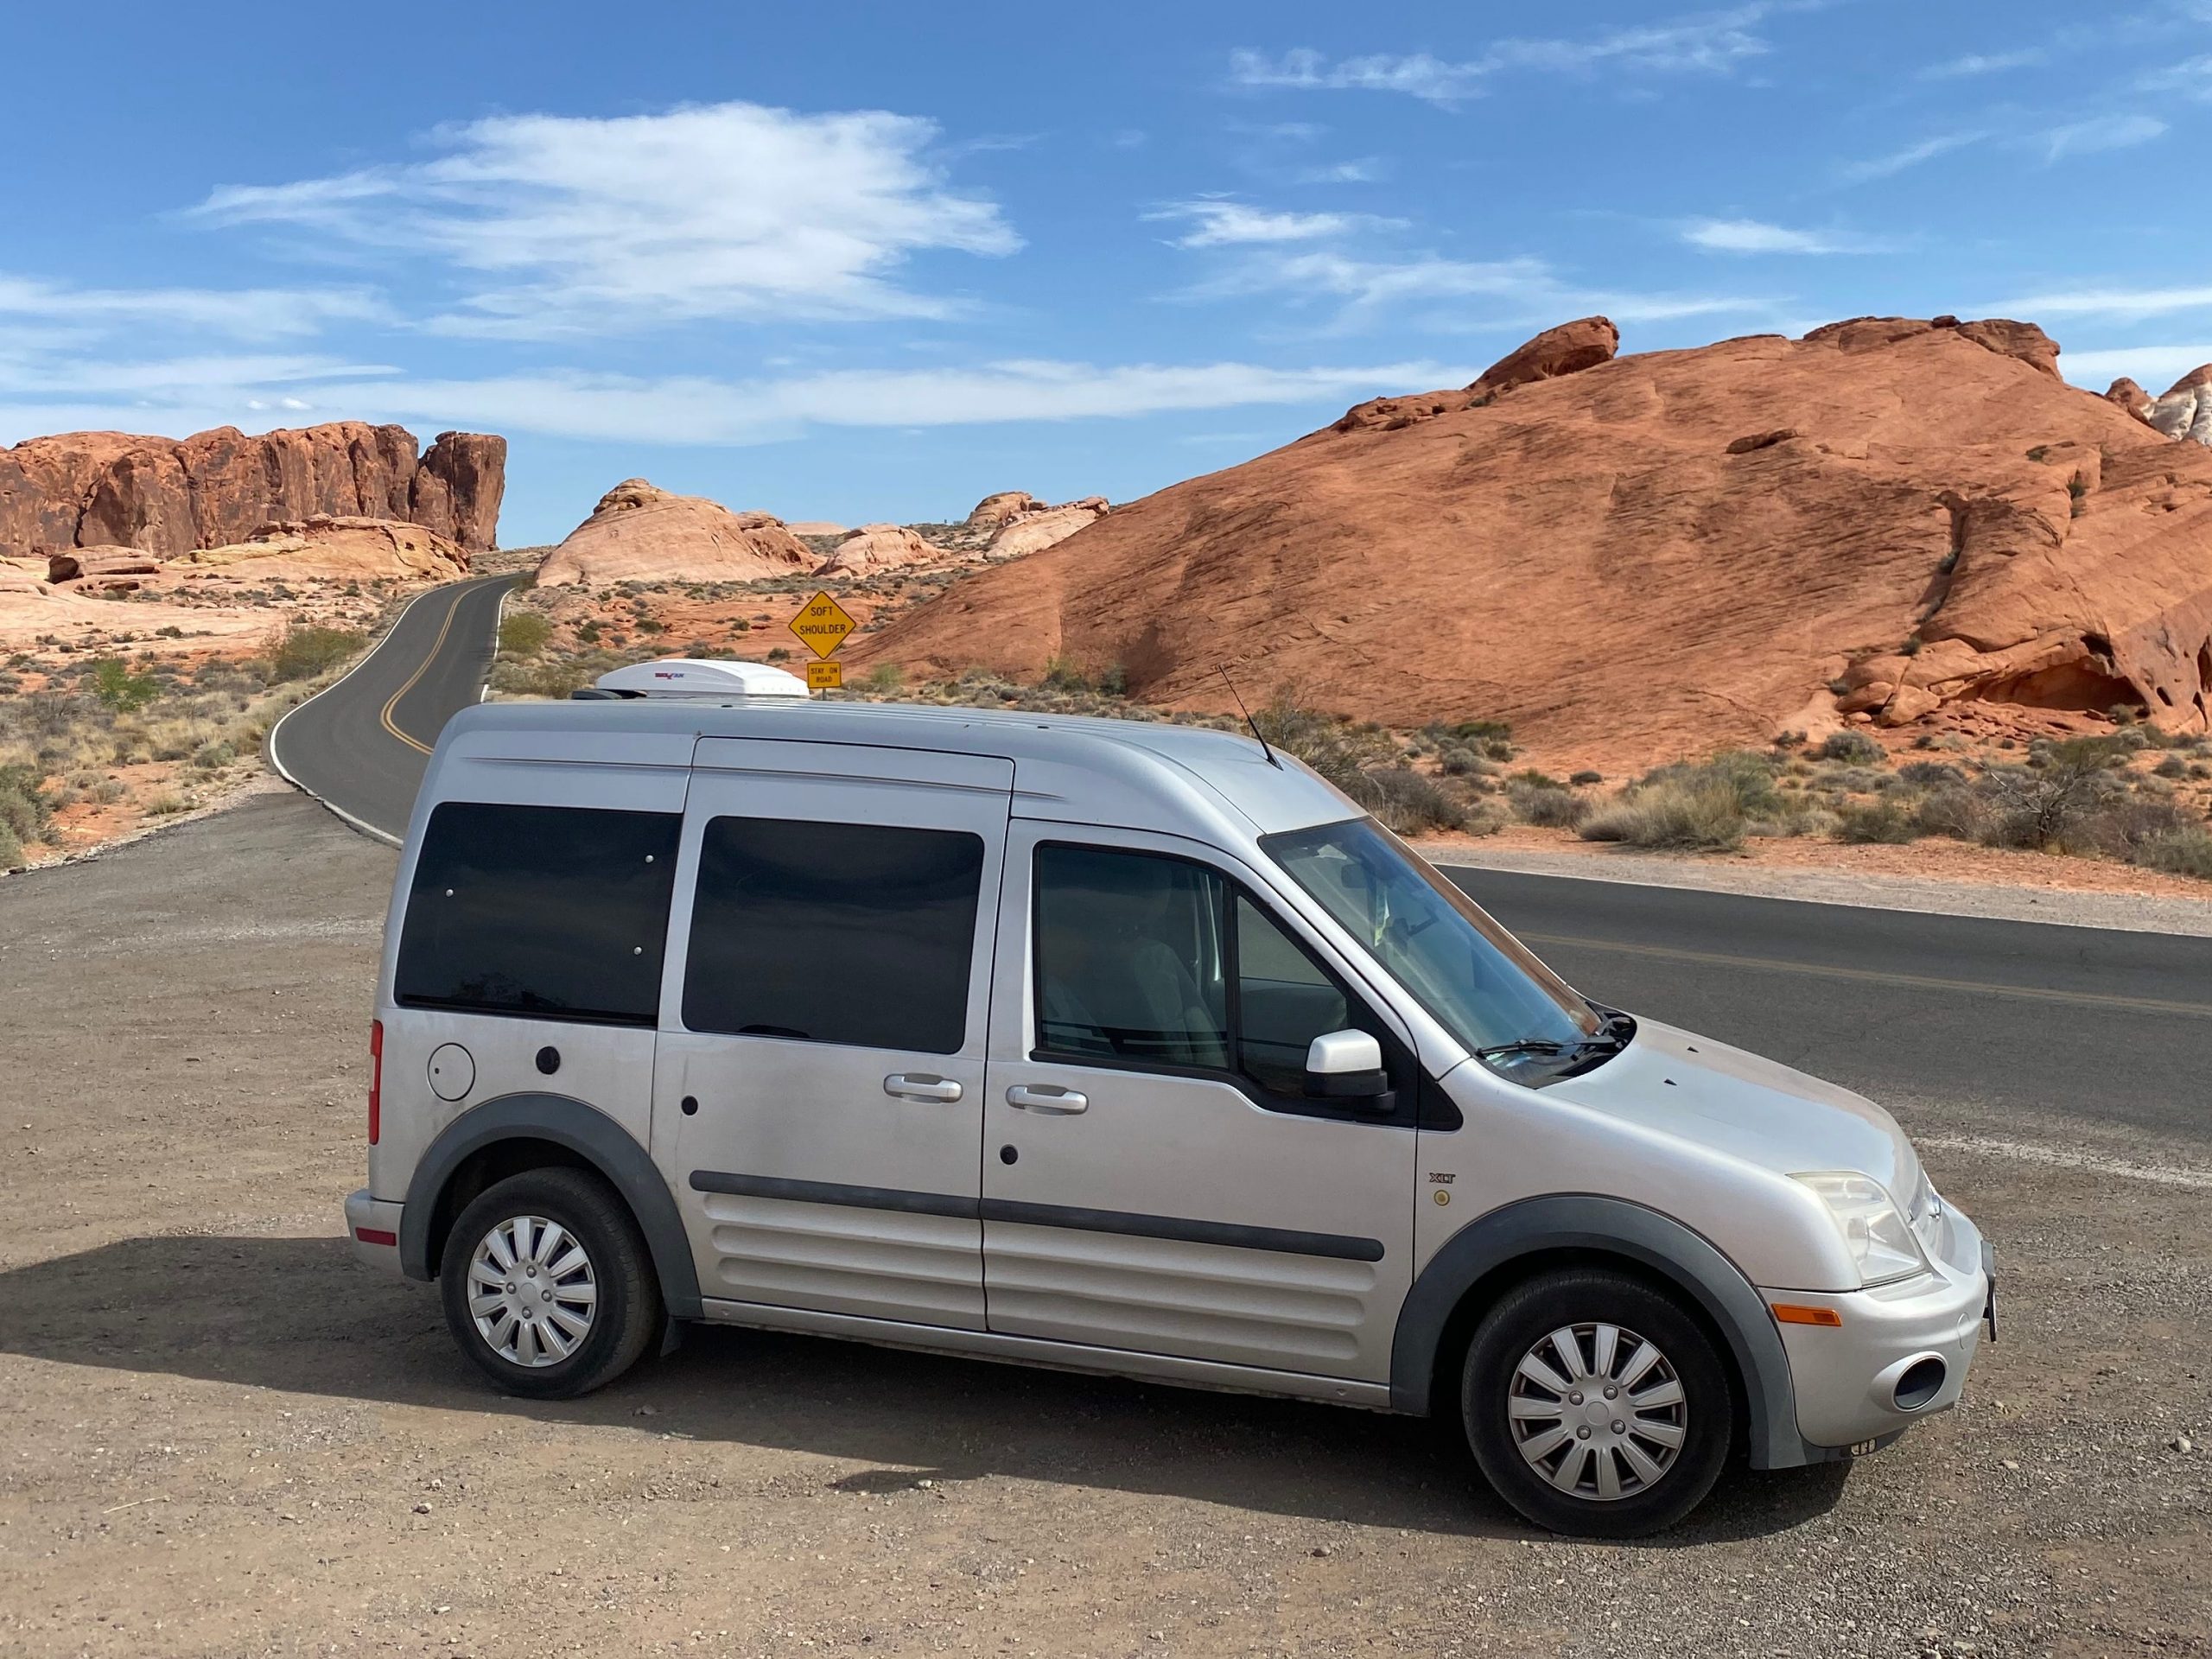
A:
[847,933]
[554,913]
[1284,1001]
[1129,958]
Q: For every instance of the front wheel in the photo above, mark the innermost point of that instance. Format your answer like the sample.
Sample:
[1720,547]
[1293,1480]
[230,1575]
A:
[1596,1404]
[548,1286]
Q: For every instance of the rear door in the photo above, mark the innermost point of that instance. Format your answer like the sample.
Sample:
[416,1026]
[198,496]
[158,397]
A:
[819,1074]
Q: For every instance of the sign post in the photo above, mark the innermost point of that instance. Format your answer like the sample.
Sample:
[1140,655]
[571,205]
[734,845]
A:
[822,624]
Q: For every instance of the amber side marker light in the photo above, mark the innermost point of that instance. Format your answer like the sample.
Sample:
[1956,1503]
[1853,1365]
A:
[1797,1314]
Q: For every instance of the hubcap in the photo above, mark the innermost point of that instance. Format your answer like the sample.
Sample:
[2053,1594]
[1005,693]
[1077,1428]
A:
[532,1291]
[1597,1411]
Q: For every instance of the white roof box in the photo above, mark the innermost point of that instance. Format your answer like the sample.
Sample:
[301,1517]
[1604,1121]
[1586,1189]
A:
[690,676]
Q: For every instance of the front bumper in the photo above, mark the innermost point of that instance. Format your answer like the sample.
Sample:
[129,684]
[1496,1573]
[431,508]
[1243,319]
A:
[372,1228]
[1846,1378]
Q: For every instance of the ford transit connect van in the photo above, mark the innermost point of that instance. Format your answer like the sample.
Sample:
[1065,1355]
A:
[1120,1047]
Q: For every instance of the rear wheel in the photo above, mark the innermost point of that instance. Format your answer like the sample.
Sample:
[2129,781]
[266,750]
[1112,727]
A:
[548,1285]
[1596,1404]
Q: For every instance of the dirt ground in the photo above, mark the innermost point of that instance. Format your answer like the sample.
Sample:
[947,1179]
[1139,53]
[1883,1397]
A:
[224,1438]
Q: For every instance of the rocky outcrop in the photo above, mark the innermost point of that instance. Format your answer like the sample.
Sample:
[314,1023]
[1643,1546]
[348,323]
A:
[638,532]
[994,511]
[1889,520]
[214,489]
[2129,396]
[880,547]
[2184,410]
[319,547]
[1033,531]
[1569,349]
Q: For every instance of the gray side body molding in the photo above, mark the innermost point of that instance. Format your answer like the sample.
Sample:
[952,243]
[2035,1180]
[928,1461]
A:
[1617,1228]
[592,1135]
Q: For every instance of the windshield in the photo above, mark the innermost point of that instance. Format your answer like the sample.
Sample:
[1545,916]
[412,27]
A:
[1480,982]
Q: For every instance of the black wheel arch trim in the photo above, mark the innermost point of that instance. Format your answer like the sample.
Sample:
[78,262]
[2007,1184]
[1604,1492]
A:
[1591,1223]
[592,1135]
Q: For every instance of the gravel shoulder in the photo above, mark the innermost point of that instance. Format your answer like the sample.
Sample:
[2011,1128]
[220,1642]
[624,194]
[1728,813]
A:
[224,1438]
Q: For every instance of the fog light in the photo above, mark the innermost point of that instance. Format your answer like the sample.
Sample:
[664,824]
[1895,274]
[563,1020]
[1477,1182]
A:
[1922,1381]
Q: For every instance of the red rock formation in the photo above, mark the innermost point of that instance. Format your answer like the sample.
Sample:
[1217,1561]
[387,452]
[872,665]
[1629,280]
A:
[638,532]
[2129,396]
[994,511]
[1586,558]
[91,489]
[1569,349]
[880,547]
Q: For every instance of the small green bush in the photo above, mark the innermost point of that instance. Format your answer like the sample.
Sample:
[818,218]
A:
[2181,852]
[1546,805]
[524,633]
[1930,774]
[1853,746]
[120,690]
[11,850]
[306,649]
[1581,779]
[1687,812]
[1882,821]
[1408,801]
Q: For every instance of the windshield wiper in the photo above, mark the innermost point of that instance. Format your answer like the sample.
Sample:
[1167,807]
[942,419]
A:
[1527,1046]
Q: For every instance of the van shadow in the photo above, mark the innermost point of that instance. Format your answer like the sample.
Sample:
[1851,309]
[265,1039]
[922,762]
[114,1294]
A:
[300,1314]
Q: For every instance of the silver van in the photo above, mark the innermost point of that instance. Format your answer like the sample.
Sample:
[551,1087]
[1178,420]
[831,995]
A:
[1119,1048]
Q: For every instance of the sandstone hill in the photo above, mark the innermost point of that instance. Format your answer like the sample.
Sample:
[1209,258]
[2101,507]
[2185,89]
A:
[217,489]
[1889,520]
[2185,409]
[881,547]
[638,532]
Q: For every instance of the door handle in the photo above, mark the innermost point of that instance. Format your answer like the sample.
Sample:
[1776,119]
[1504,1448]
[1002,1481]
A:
[1060,1102]
[901,1085]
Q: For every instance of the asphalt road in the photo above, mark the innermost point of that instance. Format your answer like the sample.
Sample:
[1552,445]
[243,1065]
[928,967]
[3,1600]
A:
[360,746]
[2026,1020]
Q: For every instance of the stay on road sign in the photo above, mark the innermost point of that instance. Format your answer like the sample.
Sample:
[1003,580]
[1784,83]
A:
[822,623]
[824,676]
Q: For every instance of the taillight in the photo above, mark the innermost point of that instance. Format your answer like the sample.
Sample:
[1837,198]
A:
[376,1079]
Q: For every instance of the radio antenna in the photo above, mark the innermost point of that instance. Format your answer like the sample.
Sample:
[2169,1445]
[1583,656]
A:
[1265,748]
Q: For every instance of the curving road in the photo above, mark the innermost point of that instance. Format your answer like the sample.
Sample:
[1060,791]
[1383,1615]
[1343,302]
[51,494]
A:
[360,746]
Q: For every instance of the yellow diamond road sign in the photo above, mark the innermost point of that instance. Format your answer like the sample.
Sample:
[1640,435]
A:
[822,623]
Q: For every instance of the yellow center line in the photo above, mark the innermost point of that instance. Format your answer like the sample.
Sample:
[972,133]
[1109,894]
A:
[1875,976]
[392,702]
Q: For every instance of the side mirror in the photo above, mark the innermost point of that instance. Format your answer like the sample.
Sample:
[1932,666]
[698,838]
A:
[1346,1066]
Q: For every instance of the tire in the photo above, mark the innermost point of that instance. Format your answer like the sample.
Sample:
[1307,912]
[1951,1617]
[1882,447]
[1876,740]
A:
[1592,1479]
[612,1295]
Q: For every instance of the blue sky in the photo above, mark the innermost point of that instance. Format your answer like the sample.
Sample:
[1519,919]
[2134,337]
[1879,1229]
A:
[872,261]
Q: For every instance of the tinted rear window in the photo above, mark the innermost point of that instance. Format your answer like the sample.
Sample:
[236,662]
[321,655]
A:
[847,933]
[550,911]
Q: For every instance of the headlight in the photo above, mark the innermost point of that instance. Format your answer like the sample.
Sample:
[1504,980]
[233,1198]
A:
[1878,1239]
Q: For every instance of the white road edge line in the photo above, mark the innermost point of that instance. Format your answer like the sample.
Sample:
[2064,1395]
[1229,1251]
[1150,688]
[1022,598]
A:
[276,759]
[2060,1158]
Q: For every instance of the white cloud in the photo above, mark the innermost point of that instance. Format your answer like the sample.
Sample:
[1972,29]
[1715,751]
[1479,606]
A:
[2125,302]
[574,224]
[2153,366]
[1753,236]
[1221,223]
[2192,76]
[1883,166]
[243,314]
[1520,292]
[1713,43]
[694,410]
[2102,133]
[1366,170]
[1981,63]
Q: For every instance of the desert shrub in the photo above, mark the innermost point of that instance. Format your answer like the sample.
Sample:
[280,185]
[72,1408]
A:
[1952,809]
[1583,777]
[120,690]
[2172,766]
[1853,746]
[1884,821]
[24,807]
[2044,805]
[1547,806]
[2181,852]
[306,649]
[208,757]
[588,631]
[1930,774]
[524,633]
[11,849]
[1686,813]
[1461,761]
[881,680]
[1408,801]
[547,676]
[1340,750]
[163,806]
[2124,828]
